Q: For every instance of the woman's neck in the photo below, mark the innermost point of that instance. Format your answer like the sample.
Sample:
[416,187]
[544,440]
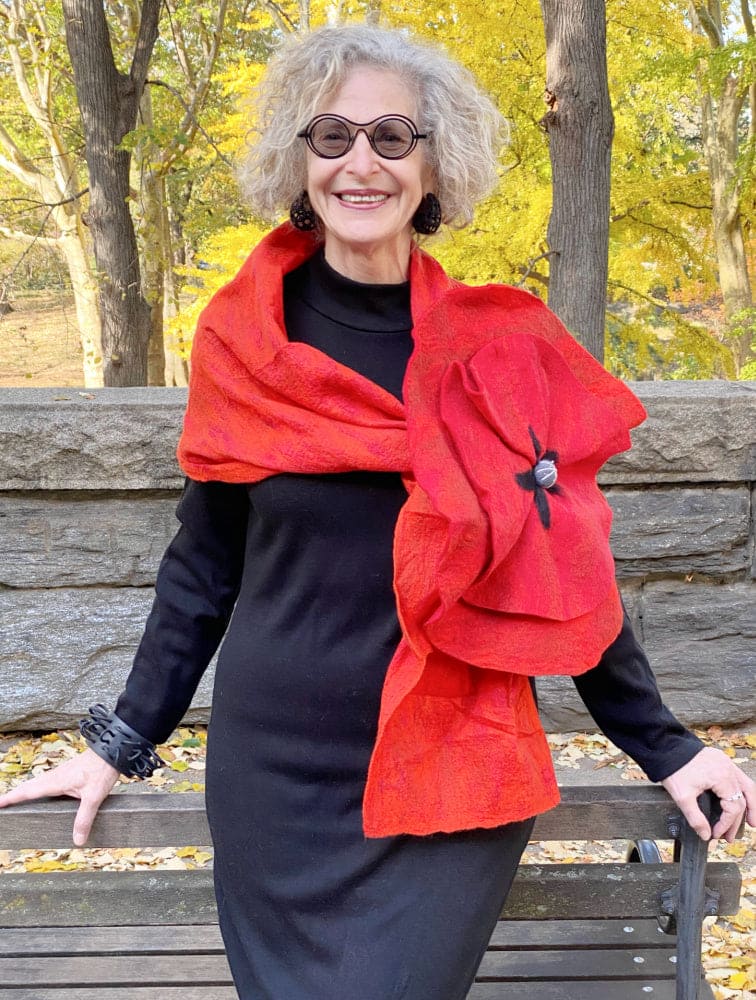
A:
[370,264]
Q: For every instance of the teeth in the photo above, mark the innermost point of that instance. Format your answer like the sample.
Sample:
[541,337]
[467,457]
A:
[358,199]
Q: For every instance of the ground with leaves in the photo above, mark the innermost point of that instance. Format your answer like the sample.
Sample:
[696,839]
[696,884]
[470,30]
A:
[728,942]
[39,342]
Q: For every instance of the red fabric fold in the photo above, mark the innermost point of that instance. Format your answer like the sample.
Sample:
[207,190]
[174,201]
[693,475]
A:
[497,578]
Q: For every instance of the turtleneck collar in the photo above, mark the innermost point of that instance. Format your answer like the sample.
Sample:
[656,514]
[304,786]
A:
[356,304]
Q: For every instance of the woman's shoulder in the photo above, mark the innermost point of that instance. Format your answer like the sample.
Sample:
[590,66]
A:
[496,296]
[497,308]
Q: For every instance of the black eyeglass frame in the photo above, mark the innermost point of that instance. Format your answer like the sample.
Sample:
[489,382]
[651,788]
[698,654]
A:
[358,127]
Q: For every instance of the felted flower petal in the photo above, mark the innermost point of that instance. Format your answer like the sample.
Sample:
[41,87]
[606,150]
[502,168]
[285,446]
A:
[516,392]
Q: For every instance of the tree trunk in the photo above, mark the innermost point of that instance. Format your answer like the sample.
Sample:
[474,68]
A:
[108,101]
[29,47]
[719,131]
[580,127]
[86,305]
[152,265]
[176,369]
[165,366]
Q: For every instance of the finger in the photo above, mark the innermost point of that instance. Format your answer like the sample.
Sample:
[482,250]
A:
[12,797]
[749,790]
[696,819]
[735,808]
[35,788]
[85,816]
[728,825]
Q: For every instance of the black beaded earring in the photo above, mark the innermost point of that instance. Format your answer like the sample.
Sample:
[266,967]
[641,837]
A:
[301,213]
[427,218]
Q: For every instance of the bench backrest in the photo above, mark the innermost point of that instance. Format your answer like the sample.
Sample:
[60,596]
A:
[157,820]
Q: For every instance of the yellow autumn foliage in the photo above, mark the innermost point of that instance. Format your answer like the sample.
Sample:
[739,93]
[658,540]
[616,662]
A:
[661,260]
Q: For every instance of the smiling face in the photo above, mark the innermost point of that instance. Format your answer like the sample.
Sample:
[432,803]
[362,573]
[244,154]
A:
[366,202]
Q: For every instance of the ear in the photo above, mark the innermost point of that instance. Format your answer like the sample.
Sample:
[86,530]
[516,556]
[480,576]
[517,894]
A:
[428,178]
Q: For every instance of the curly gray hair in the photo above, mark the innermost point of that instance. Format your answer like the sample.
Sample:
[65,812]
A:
[467,131]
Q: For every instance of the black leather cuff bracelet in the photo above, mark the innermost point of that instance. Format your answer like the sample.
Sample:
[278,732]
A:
[119,744]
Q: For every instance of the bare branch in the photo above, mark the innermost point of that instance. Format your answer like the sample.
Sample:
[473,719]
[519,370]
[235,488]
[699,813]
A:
[195,122]
[624,215]
[47,204]
[749,30]
[180,42]
[708,26]
[747,18]
[687,204]
[675,237]
[280,16]
[28,238]
[658,303]
[190,123]
[38,113]
[148,32]
[41,113]
[204,40]
[17,163]
[532,263]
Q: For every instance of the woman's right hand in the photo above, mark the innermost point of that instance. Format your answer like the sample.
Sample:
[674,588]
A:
[86,777]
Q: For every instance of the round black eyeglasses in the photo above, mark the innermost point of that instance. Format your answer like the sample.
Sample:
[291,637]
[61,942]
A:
[391,136]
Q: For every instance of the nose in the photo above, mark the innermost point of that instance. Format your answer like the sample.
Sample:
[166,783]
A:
[362,159]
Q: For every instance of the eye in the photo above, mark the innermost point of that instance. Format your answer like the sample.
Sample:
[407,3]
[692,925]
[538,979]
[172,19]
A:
[330,134]
[393,135]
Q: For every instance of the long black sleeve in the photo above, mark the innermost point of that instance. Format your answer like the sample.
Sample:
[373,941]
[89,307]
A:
[622,696]
[197,585]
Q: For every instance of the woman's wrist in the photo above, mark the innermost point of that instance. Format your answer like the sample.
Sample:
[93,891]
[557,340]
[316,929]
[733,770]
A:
[118,744]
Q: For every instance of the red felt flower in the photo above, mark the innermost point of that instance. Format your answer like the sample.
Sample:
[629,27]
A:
[518,573]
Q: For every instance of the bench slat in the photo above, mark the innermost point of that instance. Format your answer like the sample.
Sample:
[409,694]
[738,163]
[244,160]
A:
[107,899]
[157,975]
[206,938]
[183,968]
[162,819]
[115,970]
[664,990]
[135,993]
[533,934]
[612,990]
[172,938]
[568,964]
[539,892]
[586,891]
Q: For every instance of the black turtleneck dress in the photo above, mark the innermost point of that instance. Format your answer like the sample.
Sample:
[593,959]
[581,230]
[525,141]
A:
[296,572]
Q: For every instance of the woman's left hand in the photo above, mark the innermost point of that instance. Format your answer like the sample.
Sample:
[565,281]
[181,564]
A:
[713,770]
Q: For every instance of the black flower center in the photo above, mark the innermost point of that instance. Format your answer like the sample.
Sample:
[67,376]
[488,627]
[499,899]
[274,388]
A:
[542,478]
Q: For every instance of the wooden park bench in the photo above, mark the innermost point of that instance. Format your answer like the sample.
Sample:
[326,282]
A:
[569,931]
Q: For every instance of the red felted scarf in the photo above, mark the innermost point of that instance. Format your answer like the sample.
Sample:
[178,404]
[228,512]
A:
[496,577]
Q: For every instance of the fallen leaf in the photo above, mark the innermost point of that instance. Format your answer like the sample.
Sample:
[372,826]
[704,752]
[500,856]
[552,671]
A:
[744,920]
[738,849]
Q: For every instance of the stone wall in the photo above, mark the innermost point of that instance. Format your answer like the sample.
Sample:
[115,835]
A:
[89,484]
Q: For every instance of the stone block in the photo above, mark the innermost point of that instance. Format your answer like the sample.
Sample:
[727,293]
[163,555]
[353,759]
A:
[82,539]
[753,533]
[701,639]
[125,438]
[680,530]
[58,439]
[63,650]
[701,643]
[695,432]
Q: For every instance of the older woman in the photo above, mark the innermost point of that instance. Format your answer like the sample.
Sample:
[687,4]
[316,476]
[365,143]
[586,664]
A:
[391,514]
